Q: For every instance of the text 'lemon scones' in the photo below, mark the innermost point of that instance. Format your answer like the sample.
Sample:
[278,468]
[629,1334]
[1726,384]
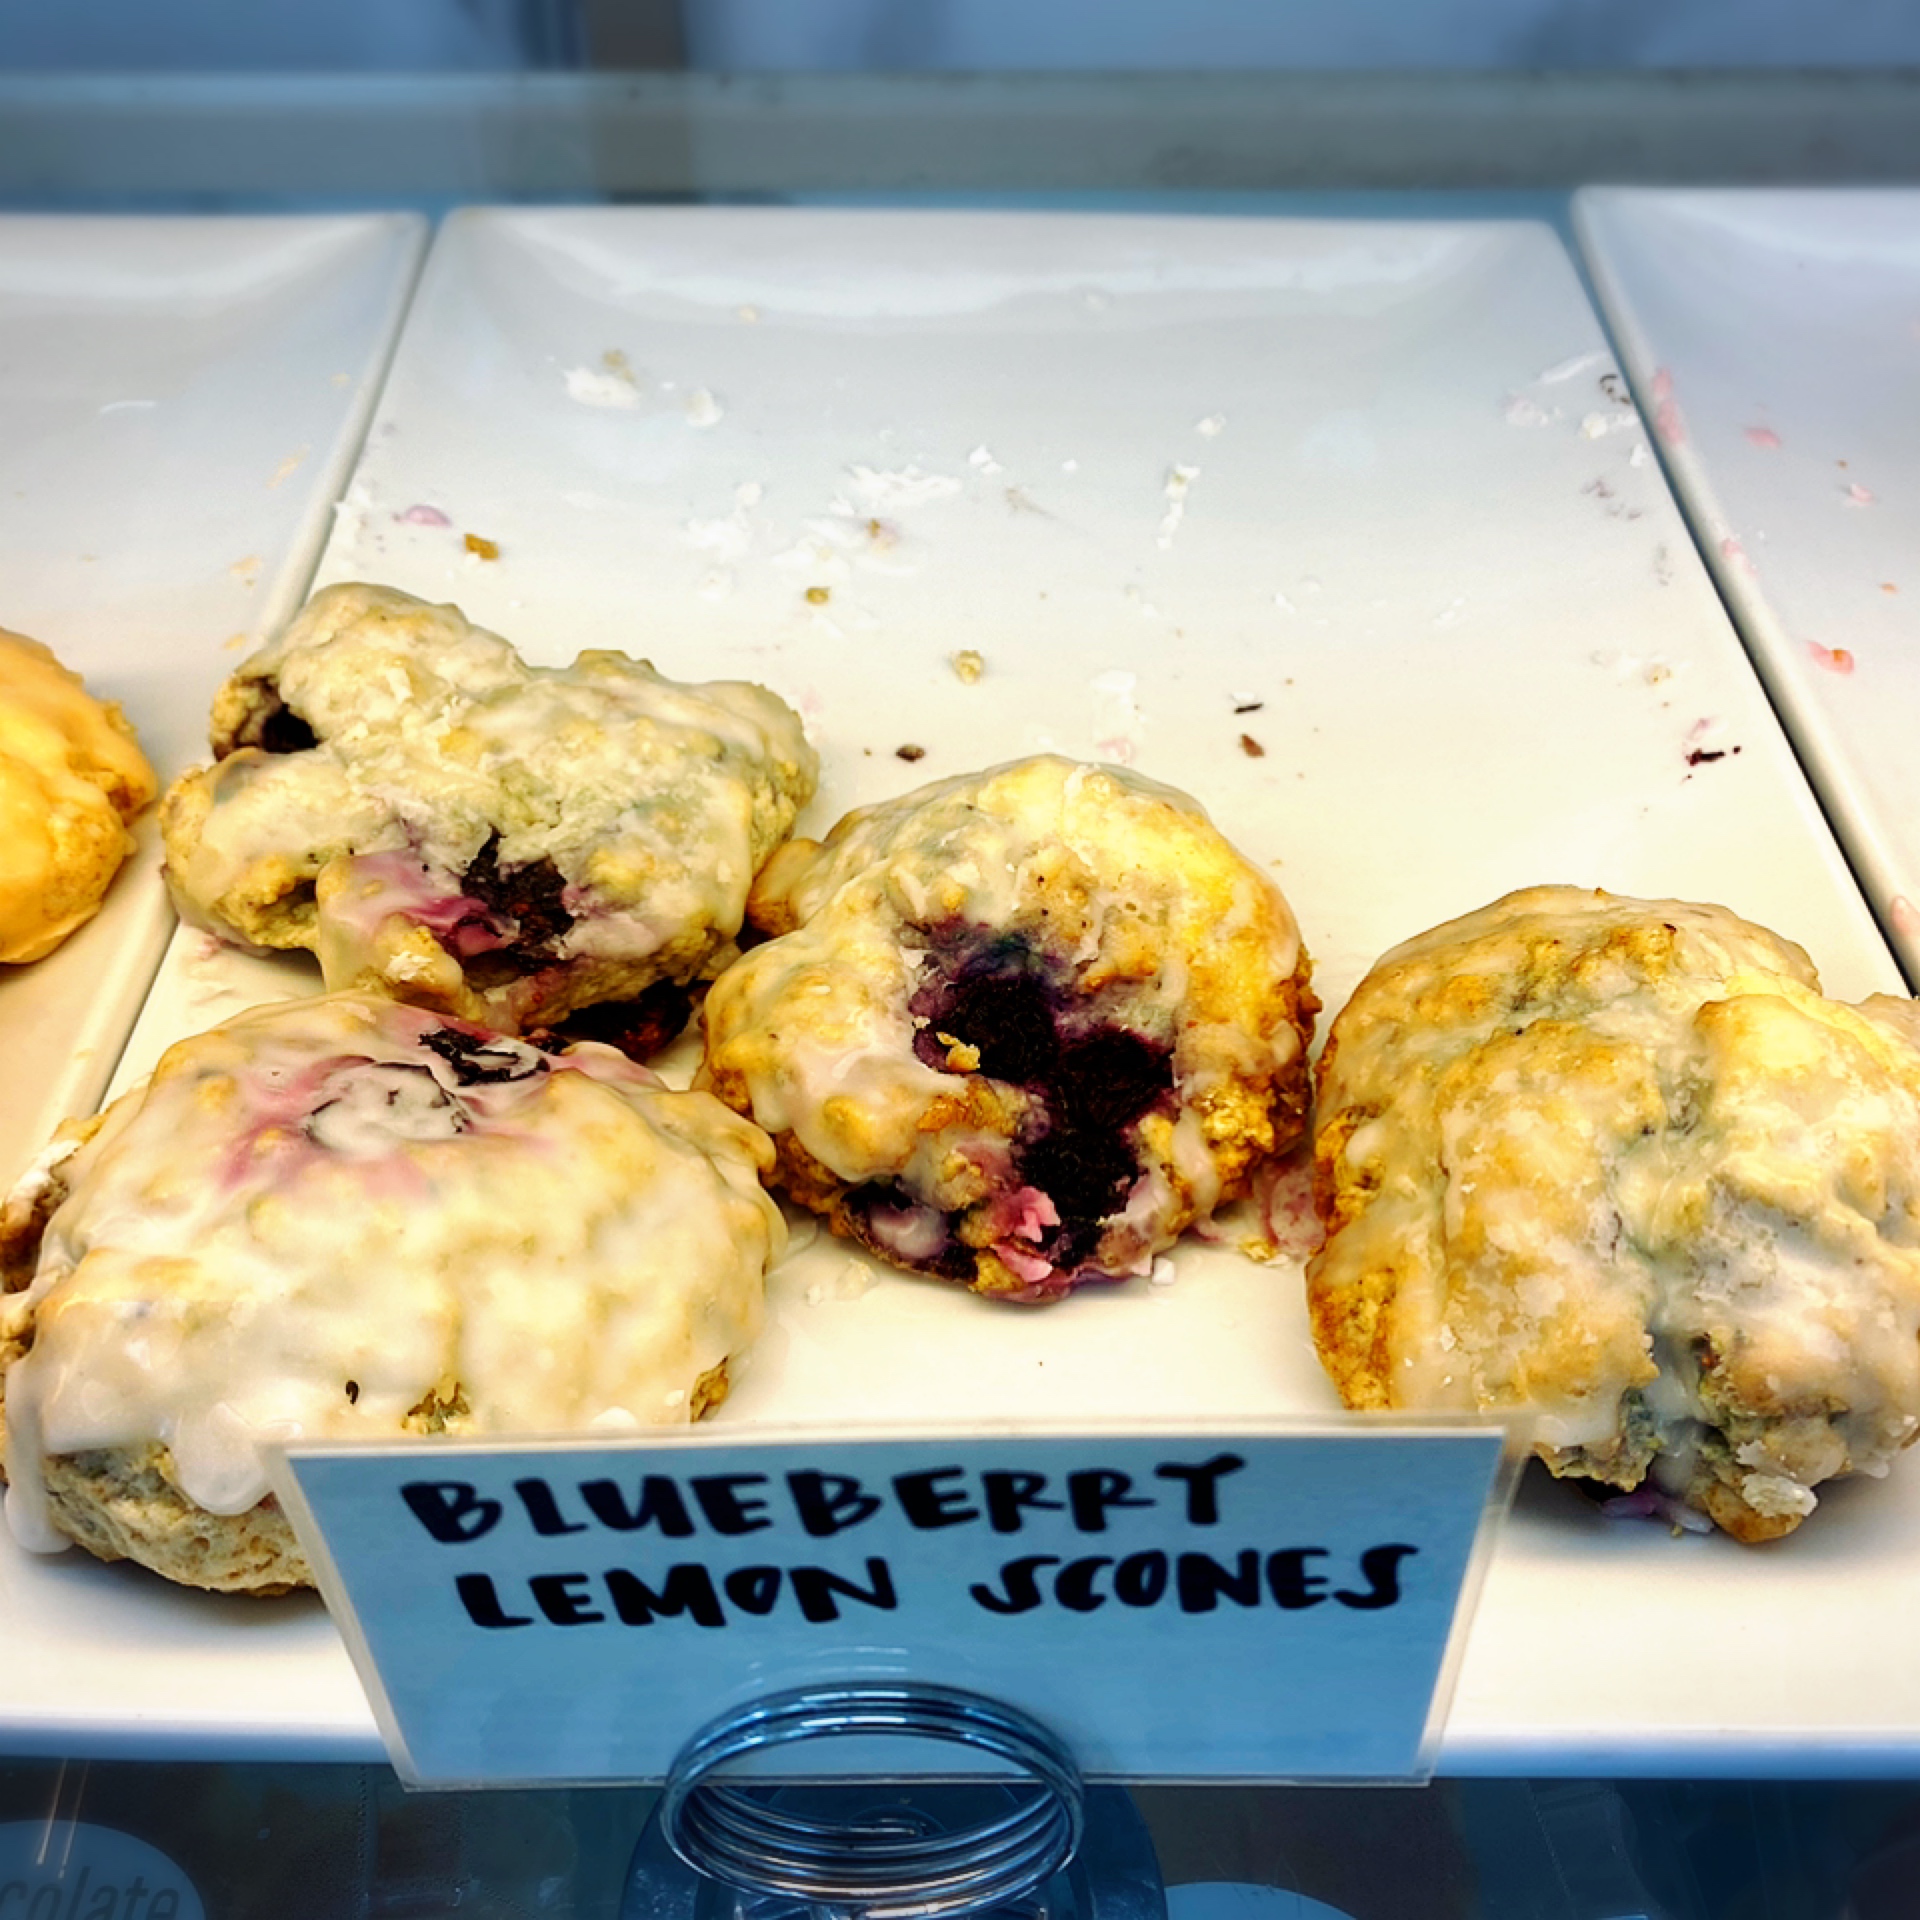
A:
[398,791]
[1020,1028]
[1618,1162]
[347,1217]
[71,777]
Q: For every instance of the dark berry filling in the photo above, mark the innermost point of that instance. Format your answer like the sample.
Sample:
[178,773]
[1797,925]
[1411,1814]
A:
[478,1058]
[530,895]
[888,1219]
[638,1027]
[1084,1162]
[997,1000]
[275,729]
[283,731]
[1091,1082]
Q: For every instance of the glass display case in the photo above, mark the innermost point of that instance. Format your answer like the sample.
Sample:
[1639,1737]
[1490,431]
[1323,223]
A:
[1460,479]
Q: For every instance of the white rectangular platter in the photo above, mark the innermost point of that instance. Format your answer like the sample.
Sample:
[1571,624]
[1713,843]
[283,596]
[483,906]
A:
[180,400]
[1775,338]
[1346,528]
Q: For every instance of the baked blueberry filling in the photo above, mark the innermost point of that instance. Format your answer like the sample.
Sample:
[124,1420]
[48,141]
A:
[283,731]
[638,1027]
[276,728]
[529,895]
[900,1229]
[477,1059]
[1090,1081]
[1103,1082]
[995,998]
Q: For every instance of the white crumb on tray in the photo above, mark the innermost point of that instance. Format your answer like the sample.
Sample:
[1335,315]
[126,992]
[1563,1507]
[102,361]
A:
[1118,724]
[1524,412]
[1597,426]
[1179,483]
[602,386]
[910,486]
[350,513]
[726,539]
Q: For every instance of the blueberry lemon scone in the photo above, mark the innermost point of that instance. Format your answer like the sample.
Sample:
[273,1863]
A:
[72,777]
[1619,1163]
[1018,1029]
[347,1217]
[398,791]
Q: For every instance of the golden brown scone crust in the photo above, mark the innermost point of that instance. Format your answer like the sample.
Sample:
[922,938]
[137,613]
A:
[1617,1163]
[1019,1028]
[123,1503]
[345,1217]
[72,777]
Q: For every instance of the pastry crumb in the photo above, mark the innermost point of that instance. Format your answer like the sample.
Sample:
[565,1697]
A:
[910,752]
[968,665]
[482,548]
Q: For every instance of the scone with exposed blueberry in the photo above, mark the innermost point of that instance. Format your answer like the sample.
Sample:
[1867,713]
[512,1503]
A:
[1018,1029]
[344,1217]
[72,778]
[398,791]
[1617,1165]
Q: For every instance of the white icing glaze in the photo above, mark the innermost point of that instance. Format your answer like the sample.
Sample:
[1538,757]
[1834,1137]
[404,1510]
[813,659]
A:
[311,1196]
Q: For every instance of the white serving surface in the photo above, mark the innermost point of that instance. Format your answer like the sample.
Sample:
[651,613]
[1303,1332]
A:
[180,401]
[1775,337]
[1369,495]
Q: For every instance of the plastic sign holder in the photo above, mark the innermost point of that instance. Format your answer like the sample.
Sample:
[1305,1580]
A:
[1185,1602]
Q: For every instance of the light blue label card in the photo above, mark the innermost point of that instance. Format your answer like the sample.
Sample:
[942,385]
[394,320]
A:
[1176,1605]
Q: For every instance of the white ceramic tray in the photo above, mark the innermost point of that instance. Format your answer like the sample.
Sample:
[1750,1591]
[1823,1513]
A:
[1775,337]
[180,400]
[1347,529]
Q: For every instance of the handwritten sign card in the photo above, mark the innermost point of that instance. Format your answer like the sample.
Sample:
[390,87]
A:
[1175,1605]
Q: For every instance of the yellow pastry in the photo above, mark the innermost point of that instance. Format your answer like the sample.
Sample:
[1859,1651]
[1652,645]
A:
[71,778]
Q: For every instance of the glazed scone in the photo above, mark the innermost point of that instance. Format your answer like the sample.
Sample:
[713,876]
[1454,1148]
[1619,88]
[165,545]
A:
[1617,1163]
[72,777]
[1018,1029]
[348,1217]
[396,790]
